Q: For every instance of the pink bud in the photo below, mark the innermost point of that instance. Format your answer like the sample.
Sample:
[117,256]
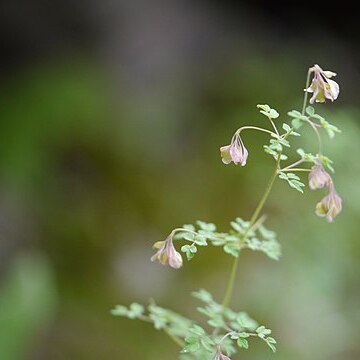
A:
[235,152]
[167,254]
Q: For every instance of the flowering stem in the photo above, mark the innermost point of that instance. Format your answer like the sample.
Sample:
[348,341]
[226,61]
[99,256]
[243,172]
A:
[293,165]
[255,128]
[274,126]
[294,169]
[317,134]
[306,93]
[230,285]
[184,230]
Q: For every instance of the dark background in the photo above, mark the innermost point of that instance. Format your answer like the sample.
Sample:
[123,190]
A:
[111,116]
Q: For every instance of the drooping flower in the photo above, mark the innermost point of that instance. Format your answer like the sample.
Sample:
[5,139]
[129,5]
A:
[322,86]
[167,254]
[219,355]
[235,152]
[330,205]
[318,177]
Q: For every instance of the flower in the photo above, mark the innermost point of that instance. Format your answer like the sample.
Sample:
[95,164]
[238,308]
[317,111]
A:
[219,355]
[167,254]
[330,205]
[235,152]
[321,86]
[318,177]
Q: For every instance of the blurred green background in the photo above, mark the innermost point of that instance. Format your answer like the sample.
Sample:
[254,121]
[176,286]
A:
[111,119]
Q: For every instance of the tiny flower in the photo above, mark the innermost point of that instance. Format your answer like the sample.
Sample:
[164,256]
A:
[220,356]
[318,177]
[322,86]
[330,205]
[167,254]
[235,152]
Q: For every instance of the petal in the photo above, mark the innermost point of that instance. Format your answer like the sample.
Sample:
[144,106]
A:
[329,74]
[225,154]
[235,153]
[333,88]
[175,260]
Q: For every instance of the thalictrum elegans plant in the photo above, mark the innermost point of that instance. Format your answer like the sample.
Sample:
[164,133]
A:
[226,331]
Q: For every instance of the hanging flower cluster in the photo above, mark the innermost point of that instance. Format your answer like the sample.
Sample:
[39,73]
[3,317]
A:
[331,204]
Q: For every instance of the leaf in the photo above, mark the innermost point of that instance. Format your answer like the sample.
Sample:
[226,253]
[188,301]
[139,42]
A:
[232,249]
[197,330]
[310,110]
[268,111]
[292,176]
[120,310]
[271,343]
[294,114]
[189,227]
[135,310]
[200,240]
[243,343]
[188,237]
[286,127]
[191,344]
[262,331]
[237,227]
[206,226]
[189,251]
[244,335]
[297,123]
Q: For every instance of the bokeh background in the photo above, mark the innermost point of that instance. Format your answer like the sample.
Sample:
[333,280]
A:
[111,116]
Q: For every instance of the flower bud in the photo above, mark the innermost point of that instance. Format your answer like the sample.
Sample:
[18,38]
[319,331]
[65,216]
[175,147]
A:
[330,205]
[318,177]
[167,254]
[235,152]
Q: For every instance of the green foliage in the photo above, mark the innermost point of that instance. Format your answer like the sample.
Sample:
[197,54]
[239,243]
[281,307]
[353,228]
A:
[297,119]
[226,328]
[242,235]
[268,111]
[329,128]
[293,180]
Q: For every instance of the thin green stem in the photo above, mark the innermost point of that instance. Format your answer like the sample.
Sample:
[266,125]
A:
[293,164]
[230,285]
[174,338]
[295,169]
[313,126]
[274,126]
[266,193]
[238,131]
[306,93]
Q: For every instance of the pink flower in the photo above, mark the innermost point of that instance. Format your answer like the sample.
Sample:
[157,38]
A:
[321,86]
[220,356]
[318,177]
[235,152]
[167,254]
[330,205]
